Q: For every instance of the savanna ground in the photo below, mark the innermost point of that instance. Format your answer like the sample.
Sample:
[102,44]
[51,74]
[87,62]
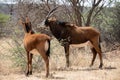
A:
[79,70]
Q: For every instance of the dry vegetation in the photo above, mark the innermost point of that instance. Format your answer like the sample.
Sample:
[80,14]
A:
[13,56]
[79,60]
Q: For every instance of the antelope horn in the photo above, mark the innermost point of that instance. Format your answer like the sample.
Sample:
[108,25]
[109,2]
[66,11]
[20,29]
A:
[48,15]
[51,12]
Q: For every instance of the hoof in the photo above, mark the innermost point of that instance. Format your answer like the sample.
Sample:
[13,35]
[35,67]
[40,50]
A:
[67,65]
[101,65]
[30,73]
[91,65]
[47,75]
[27,74]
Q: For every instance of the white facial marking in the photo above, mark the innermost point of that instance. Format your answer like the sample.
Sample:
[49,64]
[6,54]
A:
[41,24]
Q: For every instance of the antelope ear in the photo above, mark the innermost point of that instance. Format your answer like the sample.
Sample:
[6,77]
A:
[27,19]
[21,22]
[52,19]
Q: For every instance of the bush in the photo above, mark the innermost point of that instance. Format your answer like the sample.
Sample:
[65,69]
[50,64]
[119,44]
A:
[116,22]
[3,19]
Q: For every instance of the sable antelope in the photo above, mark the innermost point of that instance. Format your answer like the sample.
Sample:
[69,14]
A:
[68,34]
[40,42]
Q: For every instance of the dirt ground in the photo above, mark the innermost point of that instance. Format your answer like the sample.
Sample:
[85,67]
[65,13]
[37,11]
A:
[110,71]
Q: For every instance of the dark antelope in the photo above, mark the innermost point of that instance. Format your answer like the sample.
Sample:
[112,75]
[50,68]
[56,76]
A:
[68,34]
[40,42]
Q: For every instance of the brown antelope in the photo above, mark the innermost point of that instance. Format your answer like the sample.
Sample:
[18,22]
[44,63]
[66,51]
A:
[40,42]
[68,34]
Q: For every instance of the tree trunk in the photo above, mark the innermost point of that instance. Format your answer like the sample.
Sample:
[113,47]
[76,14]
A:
[77,13]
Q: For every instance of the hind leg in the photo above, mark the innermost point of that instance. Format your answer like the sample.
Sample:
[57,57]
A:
[47,66]
[94,56]
[97,47]
[100,56]
[46,60]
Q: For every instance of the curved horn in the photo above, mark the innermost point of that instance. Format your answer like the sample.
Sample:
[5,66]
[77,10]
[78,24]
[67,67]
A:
[51,12]
[48,15]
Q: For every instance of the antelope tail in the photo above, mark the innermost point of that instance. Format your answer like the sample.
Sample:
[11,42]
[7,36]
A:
[99,42]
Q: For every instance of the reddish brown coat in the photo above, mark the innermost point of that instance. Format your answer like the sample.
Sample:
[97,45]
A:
[68,34]
[40,42]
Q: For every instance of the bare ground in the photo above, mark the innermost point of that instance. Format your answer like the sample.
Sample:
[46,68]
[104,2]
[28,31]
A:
[110,71]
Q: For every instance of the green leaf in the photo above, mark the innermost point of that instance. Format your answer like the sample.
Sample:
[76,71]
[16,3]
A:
[4,18]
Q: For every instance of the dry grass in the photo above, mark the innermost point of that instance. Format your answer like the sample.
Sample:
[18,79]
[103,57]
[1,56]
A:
[79,61]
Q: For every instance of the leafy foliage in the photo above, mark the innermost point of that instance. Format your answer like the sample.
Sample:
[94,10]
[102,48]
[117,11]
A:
[4,18]
[116,22]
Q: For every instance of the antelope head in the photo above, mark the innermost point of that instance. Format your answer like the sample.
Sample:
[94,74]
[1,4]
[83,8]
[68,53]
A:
[26,25]
[49,18]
